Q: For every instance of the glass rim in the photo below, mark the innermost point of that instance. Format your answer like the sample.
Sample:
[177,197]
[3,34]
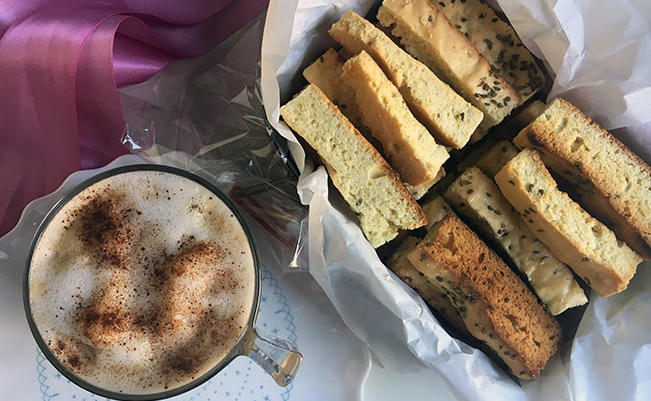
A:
[236,351]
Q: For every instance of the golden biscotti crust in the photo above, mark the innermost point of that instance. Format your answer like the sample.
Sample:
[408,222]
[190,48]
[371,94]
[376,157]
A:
[575,237]
[496,305]
[477,198]
[325,73]
[410,149]
[362,176]
[400,265]
[449,118]
[598,165]
[497,41]
[491,162]
[427,34]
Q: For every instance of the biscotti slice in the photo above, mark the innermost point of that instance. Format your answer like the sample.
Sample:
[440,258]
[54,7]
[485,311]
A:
[476,197]
[410,149]
[325,73]
[575,237]
[450,118]
[601,208]
[496,305]
[435,209]
[527,115]
[363,177]
[427,34]
[400,265]
[491,162]
[497,41]
[598,165]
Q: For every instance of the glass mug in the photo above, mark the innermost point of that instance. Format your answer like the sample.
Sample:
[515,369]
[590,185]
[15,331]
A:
[79,254]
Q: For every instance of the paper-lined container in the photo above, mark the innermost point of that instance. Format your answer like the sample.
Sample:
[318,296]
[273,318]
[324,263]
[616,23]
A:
[597,52]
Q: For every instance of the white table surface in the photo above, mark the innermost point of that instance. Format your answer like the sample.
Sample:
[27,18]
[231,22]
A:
[383,385]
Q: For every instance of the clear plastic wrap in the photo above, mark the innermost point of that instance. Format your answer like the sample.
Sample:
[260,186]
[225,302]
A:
[209,111]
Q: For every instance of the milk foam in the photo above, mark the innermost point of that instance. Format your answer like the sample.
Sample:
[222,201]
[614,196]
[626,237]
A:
[142,282]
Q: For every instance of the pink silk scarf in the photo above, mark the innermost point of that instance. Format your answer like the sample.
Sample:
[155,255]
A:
[61,62]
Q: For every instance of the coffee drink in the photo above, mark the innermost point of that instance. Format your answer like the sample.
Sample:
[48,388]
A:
[142,282]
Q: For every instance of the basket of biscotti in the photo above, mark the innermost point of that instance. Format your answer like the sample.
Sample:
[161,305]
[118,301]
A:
[479,199]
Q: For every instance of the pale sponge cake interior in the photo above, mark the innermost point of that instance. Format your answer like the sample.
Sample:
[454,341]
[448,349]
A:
[602,169]
[325,73]
[497,41]
[450,118]
[362,176]
[410,149]
[573,235]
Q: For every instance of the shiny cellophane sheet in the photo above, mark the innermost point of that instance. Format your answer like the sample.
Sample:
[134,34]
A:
[206,115]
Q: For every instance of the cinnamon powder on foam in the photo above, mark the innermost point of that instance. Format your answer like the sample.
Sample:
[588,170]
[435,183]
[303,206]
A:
[149,287]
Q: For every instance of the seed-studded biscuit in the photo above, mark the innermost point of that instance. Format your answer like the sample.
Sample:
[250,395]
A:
[599,166]
[476,197]
[431,294]
[365,180]
[427,34]
[435,208]
[575,237]
[496,305]
[450,118]
[491,162]
[497,41]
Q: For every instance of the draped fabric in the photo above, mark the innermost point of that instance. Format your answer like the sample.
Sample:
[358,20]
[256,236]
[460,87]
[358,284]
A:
[61,62]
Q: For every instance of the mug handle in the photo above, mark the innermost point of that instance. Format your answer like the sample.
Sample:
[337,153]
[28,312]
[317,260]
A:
[279,358]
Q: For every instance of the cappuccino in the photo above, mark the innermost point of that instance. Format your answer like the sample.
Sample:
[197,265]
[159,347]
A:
[142,282]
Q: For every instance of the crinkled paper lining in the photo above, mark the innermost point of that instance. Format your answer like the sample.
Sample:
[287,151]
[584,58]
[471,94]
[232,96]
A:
[598,52]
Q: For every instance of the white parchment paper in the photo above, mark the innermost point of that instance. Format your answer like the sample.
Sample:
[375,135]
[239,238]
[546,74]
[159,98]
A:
[598,52]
